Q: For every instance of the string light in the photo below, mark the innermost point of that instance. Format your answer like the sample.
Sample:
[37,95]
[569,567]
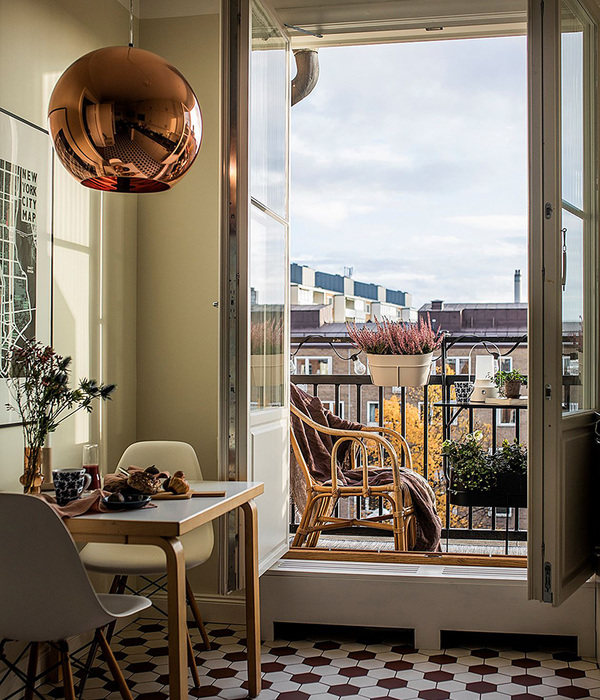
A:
[358,366]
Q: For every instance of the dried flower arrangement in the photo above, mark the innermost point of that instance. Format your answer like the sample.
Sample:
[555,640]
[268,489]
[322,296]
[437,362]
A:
[38,381]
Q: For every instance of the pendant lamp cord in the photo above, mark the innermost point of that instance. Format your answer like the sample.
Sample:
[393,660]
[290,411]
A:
[131,23]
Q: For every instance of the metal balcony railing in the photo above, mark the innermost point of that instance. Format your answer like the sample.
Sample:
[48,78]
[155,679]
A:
[354,397]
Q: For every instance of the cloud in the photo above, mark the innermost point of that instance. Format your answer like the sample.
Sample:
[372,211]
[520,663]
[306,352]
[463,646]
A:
[496,222]
[409,164]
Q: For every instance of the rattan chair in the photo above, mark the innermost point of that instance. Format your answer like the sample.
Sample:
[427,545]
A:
[322,497]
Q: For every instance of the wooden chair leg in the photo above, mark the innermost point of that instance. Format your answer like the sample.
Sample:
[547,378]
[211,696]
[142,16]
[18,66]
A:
[67,672]
[113,666]
[192,662]
[31,670]
[316,507]
[191,600]
[325,507]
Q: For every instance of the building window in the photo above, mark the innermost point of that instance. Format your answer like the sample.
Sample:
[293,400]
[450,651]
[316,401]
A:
[506,364]
[372,412]
[330,405]
[506,417]
[501,512]
[456,365]
[304,296]
[314,365]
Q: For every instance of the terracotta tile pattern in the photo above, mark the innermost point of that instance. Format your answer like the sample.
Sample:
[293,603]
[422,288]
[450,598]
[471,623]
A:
[323,667]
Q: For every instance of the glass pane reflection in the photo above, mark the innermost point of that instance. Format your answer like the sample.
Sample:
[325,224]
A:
[573,398]
[572,102]
[267,309]
[268,113]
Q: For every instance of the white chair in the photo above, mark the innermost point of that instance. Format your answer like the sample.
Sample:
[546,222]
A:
[124,560]
[45,594]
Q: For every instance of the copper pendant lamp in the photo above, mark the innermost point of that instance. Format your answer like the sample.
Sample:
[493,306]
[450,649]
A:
[124,120]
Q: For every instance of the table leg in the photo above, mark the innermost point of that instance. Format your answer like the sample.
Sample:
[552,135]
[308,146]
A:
[252,597]
[176,611]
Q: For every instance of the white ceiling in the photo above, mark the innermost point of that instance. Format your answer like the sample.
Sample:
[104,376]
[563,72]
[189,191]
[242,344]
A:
[355,21]
[154,9]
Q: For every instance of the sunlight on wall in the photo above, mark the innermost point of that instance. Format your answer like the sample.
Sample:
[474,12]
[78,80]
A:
[75,284]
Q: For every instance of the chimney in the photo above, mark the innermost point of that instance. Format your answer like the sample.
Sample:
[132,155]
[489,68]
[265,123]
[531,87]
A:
[437,305]
[517,286]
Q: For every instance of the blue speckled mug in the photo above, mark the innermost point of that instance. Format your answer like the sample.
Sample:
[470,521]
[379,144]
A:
[69,484]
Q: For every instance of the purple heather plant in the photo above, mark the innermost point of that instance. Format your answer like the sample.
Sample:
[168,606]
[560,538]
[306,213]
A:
[396,337]
[266,337]
[38,381]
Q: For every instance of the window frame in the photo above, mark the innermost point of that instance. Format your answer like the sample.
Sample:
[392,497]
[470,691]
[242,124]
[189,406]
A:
[318,358]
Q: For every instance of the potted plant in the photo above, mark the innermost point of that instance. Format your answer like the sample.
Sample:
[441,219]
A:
[510,383]
[399,354]
[478,478]
[38,382]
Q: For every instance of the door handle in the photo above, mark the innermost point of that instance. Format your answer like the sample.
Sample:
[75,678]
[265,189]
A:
[564,258]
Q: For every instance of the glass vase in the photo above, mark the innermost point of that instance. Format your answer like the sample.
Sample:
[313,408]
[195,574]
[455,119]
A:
[32,475]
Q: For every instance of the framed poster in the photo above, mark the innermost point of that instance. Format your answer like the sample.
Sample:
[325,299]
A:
[25,241]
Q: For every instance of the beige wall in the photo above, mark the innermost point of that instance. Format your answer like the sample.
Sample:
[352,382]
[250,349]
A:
[178,270]
[94,235]
[178,263]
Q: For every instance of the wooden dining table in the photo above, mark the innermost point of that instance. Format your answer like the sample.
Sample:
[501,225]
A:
[161,527]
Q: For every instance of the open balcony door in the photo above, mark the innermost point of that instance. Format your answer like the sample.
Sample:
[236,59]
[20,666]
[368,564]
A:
[255,320]
[563,296]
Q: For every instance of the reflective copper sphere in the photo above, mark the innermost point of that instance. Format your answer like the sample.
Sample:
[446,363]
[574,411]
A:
[124,120]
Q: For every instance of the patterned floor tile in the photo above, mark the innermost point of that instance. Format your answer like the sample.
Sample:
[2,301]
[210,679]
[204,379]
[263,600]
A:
[323,668]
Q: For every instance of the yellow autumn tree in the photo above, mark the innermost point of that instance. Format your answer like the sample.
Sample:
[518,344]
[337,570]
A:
[420,414]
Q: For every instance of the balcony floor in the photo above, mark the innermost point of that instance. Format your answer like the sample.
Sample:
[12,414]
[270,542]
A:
[454,546]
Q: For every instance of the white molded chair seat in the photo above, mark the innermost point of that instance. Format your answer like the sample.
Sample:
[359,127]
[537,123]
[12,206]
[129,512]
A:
[143,559]
[45,594]
[124,560]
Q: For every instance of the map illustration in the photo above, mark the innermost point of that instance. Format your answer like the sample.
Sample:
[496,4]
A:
[18,256]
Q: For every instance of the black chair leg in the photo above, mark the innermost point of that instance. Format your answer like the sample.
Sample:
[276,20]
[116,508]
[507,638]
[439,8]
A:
[119,589]
[191,600]
[32,670]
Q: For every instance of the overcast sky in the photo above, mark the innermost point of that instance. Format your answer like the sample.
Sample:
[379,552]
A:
[409,165]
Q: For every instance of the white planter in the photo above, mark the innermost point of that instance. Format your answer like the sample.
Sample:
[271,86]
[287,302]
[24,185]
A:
[266,370]
[400,370]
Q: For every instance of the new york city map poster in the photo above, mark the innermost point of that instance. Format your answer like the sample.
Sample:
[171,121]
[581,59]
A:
[25,241]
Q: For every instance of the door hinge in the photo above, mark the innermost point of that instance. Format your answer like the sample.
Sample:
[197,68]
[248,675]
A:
[547,594]
[548,392]
[548,210]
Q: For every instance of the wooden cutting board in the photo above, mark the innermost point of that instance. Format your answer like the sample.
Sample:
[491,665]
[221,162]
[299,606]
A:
[166,496]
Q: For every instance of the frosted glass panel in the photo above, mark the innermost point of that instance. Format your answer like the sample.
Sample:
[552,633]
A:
[267,310]
[573,327]
[268,114]
[572,109]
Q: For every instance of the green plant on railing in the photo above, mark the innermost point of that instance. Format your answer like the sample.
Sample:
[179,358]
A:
[511,457]
[475,468]
[500,378]
[471,464]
